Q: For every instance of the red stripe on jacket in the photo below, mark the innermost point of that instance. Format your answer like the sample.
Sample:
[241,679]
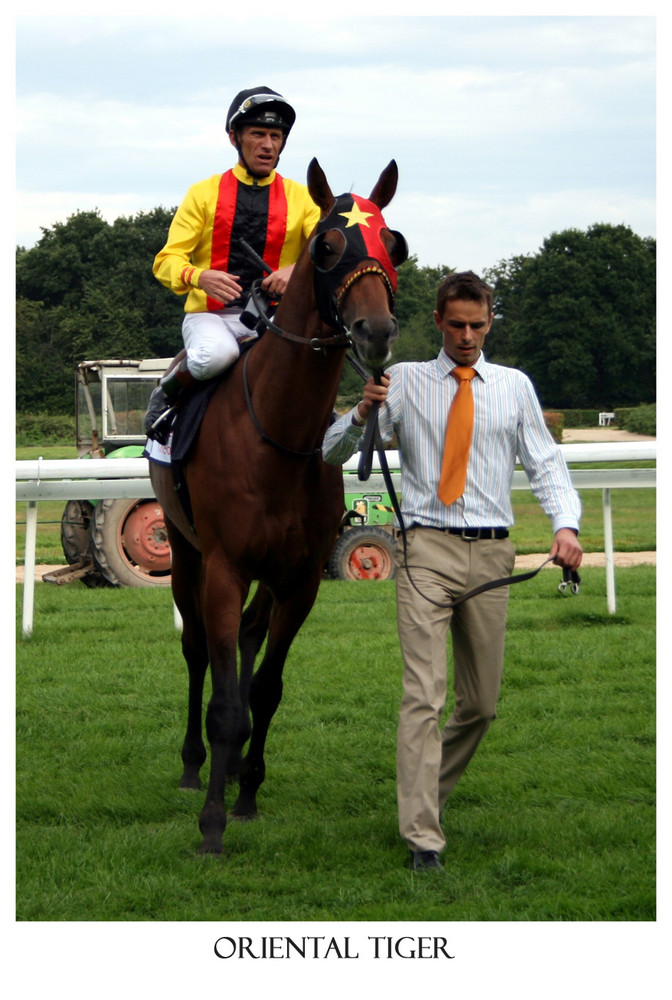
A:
[276,226]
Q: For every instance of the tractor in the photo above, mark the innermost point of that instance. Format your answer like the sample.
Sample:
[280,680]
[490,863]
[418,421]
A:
[364,549]
[114,543]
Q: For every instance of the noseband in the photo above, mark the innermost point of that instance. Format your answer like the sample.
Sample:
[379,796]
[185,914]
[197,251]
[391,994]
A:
[355,276]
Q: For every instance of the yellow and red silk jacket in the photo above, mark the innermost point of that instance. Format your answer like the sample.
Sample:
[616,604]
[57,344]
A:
[274,215]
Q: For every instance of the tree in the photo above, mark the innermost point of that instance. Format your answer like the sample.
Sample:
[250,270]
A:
[579,317]
[86,291]
[41,387]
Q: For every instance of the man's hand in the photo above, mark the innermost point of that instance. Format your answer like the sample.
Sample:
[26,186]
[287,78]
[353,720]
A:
[566,550]
[220,286]
[372,393]
[276,283]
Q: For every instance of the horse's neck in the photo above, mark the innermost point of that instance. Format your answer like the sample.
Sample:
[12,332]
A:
[282,362]
[291,383]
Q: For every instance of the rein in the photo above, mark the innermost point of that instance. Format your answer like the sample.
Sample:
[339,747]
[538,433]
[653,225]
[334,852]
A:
[316,343]
[261,432]
[372,440]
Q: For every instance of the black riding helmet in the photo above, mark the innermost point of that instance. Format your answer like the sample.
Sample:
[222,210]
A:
[260,106]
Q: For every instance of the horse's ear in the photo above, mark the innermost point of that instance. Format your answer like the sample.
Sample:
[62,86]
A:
[383,192]
[319,189]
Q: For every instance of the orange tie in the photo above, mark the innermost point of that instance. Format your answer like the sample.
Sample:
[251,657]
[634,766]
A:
[458,438]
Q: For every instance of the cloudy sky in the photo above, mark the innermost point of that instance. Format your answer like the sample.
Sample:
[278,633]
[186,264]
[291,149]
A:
[505,129]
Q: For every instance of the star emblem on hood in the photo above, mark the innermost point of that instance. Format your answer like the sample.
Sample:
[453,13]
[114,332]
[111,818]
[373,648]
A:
[356,216]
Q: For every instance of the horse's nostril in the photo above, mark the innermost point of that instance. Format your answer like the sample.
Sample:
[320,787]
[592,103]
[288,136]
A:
[370,331]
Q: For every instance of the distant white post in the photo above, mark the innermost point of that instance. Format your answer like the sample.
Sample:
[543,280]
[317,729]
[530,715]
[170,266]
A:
[29,567]
[609,551]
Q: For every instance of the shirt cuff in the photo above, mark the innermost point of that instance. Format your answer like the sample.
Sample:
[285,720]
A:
[355,419]
[189,275]
[351,417]
[562,522]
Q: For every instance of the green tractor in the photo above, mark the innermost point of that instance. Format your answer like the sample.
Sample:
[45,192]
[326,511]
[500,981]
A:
[123,542]
[364,549]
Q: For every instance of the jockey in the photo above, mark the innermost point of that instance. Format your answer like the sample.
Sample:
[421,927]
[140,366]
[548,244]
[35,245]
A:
[203,260]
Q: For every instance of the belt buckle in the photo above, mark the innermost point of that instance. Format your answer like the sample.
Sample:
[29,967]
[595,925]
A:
[470,538]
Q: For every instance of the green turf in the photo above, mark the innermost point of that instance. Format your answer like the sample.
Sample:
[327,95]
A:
[555,818]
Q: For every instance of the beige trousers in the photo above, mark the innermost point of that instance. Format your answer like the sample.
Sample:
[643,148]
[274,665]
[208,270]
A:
[430,760]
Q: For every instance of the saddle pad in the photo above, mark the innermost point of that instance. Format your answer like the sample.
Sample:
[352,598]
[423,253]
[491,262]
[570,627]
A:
[184,431]
[157,452]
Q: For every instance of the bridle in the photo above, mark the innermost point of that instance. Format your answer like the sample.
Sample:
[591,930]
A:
[261,304]
[331,316]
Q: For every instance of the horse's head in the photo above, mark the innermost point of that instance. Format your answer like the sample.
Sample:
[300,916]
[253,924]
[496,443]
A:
[355,257]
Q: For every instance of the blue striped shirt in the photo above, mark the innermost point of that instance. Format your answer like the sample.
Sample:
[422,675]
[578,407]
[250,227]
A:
[508,422]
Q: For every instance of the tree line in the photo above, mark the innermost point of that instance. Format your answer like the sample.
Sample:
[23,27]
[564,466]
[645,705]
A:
[578,316]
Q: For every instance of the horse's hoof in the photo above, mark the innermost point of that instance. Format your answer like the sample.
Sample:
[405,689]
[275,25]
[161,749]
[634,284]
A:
[191,783]
[242,817]
[211,845]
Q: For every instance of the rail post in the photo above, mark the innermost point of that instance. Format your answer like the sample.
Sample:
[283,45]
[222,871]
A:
[609,551]
[29,578]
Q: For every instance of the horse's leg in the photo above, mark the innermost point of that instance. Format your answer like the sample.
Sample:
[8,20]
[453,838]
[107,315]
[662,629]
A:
[251,635]
[186,573]
[287,617]
[223,598]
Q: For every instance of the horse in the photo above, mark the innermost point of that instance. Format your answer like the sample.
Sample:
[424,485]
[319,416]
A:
[265,506]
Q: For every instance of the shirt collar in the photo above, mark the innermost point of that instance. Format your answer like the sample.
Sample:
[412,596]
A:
[447,364]
[241,174]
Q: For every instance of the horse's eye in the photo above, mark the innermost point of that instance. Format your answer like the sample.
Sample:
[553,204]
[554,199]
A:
[326,251]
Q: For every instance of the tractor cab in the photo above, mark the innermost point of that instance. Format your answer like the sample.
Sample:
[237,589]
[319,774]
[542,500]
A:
[110,404]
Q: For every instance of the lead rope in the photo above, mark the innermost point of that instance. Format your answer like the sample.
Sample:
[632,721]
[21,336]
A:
[372,440]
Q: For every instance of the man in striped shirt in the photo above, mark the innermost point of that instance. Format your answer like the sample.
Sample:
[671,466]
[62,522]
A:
[203,258]
[453,548]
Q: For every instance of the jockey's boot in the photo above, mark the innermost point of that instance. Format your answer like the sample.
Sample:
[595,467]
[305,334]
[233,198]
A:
[164,399]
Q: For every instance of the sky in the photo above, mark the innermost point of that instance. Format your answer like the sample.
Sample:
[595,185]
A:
[505,128]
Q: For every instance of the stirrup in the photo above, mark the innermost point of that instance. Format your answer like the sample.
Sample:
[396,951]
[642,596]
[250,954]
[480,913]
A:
[161,428]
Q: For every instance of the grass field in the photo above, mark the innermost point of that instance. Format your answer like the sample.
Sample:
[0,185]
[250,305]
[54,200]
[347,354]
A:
[553,821]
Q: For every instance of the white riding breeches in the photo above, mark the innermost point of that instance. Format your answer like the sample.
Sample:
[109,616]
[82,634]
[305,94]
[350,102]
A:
[211,341]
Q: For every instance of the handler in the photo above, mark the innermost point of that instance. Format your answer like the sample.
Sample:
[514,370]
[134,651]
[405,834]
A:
[458,511]
[203,259]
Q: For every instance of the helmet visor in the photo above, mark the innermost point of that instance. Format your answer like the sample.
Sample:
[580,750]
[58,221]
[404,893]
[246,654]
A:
[252,111]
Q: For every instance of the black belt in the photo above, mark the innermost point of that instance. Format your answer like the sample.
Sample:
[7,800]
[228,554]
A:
[468,534]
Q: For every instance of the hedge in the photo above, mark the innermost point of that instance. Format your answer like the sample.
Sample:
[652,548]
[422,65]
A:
[581,418]
[44,428]
[641,419]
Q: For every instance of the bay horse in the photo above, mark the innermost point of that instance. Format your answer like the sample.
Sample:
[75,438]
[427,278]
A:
[265,507]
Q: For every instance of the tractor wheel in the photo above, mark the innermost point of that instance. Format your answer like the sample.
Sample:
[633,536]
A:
[130,543]
[363,554]
[76,539]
